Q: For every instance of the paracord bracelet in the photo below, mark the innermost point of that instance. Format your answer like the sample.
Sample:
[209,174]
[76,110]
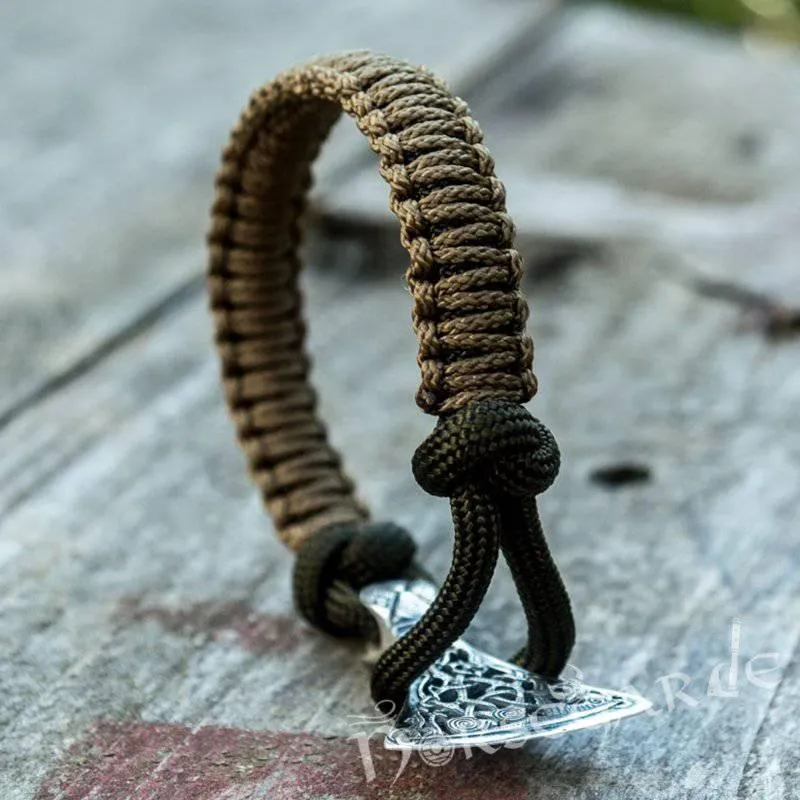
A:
[486,453]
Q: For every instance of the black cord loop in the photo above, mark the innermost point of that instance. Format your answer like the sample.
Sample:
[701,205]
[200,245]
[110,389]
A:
[491,458]
[337,561]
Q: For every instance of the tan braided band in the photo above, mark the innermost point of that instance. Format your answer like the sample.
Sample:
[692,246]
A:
[487,454]
[468,314]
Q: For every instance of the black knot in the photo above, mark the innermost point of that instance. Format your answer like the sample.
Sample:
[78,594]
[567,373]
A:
[337,561]
[488,440]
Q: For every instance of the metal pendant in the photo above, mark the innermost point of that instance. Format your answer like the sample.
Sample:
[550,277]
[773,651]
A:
[470,698]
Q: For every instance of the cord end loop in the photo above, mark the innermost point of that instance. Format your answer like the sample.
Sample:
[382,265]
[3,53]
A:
[336,562]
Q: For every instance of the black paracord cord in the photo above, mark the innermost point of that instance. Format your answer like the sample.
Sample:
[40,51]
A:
[491,458]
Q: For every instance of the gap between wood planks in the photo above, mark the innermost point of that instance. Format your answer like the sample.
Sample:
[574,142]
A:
[106,348]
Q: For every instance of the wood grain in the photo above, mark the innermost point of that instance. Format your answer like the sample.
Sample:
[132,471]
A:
[149,648]
[149,509]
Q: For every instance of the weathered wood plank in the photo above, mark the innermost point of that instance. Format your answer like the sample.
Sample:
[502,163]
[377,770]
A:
[142,582]
[118,113]
[771,769]
[142,587]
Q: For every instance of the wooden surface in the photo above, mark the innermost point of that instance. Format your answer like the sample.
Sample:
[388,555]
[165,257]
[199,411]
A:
[149,648]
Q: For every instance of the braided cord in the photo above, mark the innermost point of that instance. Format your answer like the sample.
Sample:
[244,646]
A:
[551,628]
[464,274]
[475,550]
[492,458]
[474,354]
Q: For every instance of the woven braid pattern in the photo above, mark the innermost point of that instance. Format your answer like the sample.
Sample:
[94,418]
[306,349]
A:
[464,273]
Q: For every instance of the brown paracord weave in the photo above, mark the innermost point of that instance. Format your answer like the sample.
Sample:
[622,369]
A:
[487,453]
